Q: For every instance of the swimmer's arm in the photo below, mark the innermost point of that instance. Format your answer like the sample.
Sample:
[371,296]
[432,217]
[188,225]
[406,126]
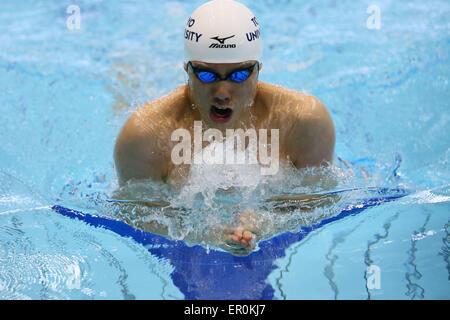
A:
[138,155]
[312,139]
[310,143]
[154,217]
[291,213]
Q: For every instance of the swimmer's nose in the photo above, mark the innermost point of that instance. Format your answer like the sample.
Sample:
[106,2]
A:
[222,94]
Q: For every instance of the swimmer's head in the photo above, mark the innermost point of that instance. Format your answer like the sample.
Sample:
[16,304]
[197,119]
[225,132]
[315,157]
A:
[222,31]
[222,42]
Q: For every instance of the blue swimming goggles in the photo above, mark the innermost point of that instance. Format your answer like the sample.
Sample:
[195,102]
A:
[207,76]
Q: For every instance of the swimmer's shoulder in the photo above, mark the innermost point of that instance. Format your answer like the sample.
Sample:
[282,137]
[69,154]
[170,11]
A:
[166,111]
[306,127]
[290,102]
[142,148]
[157,117]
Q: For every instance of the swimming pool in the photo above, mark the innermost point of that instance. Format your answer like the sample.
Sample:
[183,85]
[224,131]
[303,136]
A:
[66,93]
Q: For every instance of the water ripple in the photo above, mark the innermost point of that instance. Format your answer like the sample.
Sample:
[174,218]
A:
[373,244]
[40,276]
[412,272]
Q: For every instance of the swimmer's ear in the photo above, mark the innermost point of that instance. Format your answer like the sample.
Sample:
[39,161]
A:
[185,67]
[260,66]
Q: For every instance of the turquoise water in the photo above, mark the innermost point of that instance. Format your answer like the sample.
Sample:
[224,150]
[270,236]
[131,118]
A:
[66,93]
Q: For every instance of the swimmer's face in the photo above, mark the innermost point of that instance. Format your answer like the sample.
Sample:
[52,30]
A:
[222,104]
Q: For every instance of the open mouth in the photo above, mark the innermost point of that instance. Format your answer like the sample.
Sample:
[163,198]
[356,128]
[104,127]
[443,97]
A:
[220,115]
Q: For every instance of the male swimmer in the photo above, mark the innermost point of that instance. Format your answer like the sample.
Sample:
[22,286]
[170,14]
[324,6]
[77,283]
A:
[223,58]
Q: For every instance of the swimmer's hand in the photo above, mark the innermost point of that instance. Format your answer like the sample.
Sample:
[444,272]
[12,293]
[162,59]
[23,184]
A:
[241,240]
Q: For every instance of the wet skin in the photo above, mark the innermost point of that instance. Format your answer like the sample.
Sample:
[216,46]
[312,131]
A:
[306,130]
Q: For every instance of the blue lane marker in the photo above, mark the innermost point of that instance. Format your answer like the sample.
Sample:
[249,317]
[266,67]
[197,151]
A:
[218,275]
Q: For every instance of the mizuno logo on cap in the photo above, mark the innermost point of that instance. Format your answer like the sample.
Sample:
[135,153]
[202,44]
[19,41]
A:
[222,40]
[222,43]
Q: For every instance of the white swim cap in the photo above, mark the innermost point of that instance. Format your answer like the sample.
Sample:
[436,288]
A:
[222,31]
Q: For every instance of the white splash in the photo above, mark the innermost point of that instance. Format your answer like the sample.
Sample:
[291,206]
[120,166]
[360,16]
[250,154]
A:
[426,196]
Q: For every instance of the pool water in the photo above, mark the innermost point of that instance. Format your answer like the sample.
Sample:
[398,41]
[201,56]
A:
[66,94]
